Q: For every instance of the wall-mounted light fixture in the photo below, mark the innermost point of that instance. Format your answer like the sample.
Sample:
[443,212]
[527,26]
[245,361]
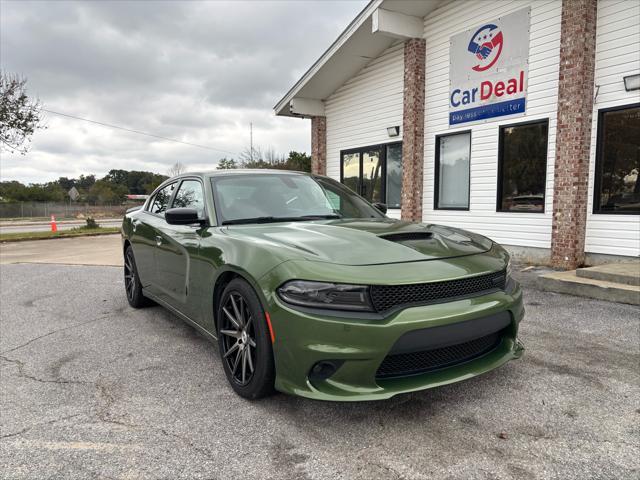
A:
[632,82]
[393,131]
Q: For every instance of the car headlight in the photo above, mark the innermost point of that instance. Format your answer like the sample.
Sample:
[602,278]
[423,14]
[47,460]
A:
[334,296]
[509,269]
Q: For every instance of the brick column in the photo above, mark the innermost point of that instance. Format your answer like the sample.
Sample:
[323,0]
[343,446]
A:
[573,135]
[413,129]
[319,145]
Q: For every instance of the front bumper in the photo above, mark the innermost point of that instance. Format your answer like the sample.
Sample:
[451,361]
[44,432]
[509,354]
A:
[302,339]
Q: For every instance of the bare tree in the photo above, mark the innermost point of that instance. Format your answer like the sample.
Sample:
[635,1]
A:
[261,158]
[249,156]
[20,115]
[273,157]
[176,169]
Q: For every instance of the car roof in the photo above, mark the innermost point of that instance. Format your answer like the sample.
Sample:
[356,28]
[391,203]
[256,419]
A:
[234,171]
[243,171]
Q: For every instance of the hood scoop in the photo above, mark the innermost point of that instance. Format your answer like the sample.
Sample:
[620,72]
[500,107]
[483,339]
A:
[407,236]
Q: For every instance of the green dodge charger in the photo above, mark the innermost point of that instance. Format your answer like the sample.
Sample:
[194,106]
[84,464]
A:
[311,290]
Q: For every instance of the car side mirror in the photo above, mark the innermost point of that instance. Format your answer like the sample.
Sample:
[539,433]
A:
[183,216]
[381,206]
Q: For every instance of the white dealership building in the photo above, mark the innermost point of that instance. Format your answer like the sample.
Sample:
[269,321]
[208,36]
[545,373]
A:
[519,120]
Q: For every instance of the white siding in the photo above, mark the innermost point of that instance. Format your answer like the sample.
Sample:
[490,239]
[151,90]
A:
[522,229]
[617,55]
[360,111]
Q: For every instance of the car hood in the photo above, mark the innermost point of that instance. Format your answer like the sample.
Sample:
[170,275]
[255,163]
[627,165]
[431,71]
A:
[364,242]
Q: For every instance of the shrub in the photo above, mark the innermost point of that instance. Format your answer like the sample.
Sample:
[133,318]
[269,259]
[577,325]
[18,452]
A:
[91,223]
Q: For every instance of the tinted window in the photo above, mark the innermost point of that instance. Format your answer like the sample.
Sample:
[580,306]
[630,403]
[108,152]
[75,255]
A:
[394,175]
[453,156]
[190,195]
[285,195]
[161,199]
[371,185]
[351,171]
[374,172]
[522,167]
[618,162]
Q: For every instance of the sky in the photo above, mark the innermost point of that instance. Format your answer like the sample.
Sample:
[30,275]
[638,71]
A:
[196,71]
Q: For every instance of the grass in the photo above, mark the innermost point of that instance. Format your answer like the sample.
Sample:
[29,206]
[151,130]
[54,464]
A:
[74,232]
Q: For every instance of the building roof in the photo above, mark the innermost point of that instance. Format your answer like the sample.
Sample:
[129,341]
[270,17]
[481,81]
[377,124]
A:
[364,39]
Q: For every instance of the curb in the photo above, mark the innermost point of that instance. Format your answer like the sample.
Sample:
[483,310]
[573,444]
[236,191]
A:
[95,234]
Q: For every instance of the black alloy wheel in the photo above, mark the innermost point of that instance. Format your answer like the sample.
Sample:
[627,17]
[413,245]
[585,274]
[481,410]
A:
[132,283]
[245,345]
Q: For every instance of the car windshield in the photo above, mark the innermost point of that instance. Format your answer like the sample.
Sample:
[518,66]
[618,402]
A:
[273,197]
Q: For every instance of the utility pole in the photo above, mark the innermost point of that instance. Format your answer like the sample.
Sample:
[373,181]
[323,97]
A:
[251,140]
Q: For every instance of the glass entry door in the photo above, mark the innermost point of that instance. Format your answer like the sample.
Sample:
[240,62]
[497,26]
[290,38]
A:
[363,171]
[371,188]
[351,171]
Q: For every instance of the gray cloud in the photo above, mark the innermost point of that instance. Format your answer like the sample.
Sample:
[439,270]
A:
[196,71]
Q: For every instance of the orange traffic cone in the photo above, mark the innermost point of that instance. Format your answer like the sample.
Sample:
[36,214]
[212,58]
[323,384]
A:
[54,227]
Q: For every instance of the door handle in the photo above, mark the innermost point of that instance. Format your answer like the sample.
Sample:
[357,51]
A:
[158,240]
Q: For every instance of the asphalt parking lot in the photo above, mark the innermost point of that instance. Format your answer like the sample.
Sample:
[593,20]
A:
[91,388]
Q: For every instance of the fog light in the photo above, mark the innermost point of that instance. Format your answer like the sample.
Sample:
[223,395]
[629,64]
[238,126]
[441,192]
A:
[324,369]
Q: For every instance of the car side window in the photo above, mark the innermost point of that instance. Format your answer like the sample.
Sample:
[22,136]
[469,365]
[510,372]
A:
[160,201]
[190,195]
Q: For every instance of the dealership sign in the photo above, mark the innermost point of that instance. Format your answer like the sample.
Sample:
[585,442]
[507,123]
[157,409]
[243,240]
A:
[489,69]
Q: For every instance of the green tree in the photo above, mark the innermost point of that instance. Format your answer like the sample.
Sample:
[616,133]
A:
[110,189]
[298,161]
[117,177]
[66,183]
[226,164]
[269,158]
[104,191]
[85,183]
[20,115]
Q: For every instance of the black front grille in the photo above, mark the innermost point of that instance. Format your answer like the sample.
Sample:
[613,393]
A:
[385,297]
[404,364]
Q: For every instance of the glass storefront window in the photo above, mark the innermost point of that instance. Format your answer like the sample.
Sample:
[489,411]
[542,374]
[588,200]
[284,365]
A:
[453,157]
[522,167]
[617,179]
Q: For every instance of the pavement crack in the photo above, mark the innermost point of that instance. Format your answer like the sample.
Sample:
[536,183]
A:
[22,374]
[107,400]
[56,331]
[30,427]
[14,434]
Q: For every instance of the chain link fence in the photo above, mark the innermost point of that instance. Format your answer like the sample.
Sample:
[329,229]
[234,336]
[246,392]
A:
[26,210]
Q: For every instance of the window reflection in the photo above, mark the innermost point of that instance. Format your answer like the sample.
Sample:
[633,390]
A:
[285,195]
[372,176]
[523,167]
[351,171]
[375,173]
[454,153]
[618,162]
[161,200]
[190,196]
[394,175]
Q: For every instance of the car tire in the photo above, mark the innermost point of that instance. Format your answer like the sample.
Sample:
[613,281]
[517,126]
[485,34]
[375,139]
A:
[244,341]
[132,285]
